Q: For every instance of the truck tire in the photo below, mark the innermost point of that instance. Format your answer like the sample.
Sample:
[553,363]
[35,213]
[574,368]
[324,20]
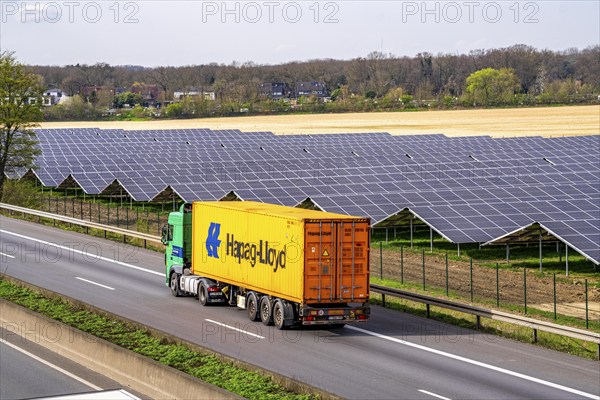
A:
[203,295]
[266,313]
[174,285]
[279,315]
[252,307]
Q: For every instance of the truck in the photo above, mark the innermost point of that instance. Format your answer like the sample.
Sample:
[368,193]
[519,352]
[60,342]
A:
[285,266]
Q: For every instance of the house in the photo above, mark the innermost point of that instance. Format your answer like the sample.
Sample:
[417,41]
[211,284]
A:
[97,91]
[274,90]
[317,89]
[53,96]
[149,93]
[179,95]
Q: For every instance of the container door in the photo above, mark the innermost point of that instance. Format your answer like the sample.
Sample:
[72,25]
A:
[352,280]
[319,261]
[336,261]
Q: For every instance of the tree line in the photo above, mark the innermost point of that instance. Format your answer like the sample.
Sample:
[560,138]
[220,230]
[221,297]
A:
[379,81]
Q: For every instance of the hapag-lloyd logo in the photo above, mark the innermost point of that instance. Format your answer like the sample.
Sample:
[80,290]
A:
[212,240]
[261,253]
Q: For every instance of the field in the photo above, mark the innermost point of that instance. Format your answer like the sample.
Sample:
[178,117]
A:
[543,121]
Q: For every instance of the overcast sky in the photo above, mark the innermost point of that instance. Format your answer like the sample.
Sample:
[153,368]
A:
[153,33]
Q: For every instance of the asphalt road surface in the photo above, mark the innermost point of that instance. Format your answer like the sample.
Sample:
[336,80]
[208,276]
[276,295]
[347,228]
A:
[28,370]
[394,355]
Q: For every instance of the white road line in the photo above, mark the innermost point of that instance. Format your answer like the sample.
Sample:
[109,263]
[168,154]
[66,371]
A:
[49,364]
[235,329]
[477,363]
[81,252]
[434,395]
[95,283]
[7,255]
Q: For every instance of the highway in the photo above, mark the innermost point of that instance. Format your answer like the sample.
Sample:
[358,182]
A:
[28,370]
[394,355]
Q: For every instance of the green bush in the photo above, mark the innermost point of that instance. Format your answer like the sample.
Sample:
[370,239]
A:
[21,193]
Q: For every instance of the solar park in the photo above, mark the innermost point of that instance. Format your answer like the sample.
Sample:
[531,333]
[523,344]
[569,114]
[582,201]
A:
[473,189]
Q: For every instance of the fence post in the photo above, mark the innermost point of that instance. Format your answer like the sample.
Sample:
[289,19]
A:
[525,289]
[108,216]
[554,285]
[423,262]
[587,320]
[471,276]
[118,206]
[80,208]
[497,285]
[381,260]
[98,212]
[447,293]
[126,218]
[402,263]
[158,222]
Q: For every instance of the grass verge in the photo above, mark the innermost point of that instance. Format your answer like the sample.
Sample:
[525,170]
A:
[511,331]
[206,367]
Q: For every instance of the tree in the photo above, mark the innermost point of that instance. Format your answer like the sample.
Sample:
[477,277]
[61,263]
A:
[491,86]
[127,98]
[20,112]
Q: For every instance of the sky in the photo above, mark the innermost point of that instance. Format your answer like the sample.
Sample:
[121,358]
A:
[162,33]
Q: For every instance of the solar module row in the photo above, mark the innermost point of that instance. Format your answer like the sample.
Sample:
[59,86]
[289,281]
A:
[469,189]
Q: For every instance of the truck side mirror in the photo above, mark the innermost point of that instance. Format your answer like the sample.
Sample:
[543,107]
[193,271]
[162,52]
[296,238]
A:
[164,235]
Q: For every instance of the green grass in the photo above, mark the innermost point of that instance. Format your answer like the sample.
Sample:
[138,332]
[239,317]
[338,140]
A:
[206,367]
[521,256]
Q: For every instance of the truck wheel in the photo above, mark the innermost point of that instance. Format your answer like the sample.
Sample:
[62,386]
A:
[266,315]
[202,295]
[252,307]
[174,285]
[279,315]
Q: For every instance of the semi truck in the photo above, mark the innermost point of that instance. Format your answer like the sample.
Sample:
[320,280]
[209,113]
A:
[285,266]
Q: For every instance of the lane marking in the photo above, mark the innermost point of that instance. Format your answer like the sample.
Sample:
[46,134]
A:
[7,255]
[53,366]
[86,254]
[235,329]
[434,395]
[477,363]
[95,283]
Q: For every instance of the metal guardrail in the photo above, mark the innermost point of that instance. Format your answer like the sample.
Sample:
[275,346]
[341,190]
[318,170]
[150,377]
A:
[479,312]
[536,325]
[87,224]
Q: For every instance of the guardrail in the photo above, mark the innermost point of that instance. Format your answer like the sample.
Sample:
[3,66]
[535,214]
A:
[535,325]
[87,224]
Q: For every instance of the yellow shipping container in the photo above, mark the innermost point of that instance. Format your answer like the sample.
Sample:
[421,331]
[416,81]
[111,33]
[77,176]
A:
[304,256]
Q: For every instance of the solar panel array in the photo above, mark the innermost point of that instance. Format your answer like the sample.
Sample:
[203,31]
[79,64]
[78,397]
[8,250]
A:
[469,189]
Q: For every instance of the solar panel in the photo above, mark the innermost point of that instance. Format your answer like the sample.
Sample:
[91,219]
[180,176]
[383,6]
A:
[467,188]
